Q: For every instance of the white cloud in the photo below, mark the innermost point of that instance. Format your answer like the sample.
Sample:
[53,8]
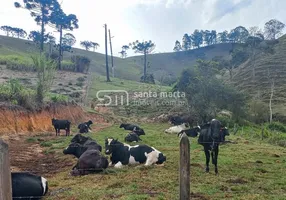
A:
[162,21]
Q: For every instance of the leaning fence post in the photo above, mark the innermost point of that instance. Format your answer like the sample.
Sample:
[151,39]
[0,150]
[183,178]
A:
[5,173]
[184,168]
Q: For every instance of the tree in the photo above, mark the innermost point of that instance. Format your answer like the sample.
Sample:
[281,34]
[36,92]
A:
[69,39]
[45,72]
[61,21]
[238,34]
[145,47]
[41,10]
[213,36]
[125,48]
[197,38]
[273,29]
[123,54]
[186,42]
[177,47]
[36,37]
[94,45]
[207,37]
[206,94]
[86,44]
[6,29]
[223,37]
[20,32]
[254,30]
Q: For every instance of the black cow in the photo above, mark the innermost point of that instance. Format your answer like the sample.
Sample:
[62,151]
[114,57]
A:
[91,161]
[211,135]
[132,137]
[84,127]
[132,127]
[124,154]
[78,138]
[177,120]
[193,132]
[26,185]
[77,149]
[61,124]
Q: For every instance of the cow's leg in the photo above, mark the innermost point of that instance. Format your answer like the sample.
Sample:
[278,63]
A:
[216,150]
[207,154]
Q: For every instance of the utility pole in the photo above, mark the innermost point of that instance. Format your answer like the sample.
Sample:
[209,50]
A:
[106,56]
[112,67]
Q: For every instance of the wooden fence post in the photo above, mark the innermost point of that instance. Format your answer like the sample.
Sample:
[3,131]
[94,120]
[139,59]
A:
[184,168]
[5,173]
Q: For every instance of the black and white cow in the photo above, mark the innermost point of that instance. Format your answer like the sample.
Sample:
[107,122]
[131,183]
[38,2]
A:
[124,154]
[211,135]
[193,132]
[26,185]
[91,161]
[84,127]
[61,124]
[132,137]
[132,127]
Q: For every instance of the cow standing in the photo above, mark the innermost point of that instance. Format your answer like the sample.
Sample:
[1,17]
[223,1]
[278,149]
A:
[61,124]
[211,135]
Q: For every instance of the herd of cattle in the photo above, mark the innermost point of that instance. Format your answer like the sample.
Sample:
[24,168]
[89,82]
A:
[91,159]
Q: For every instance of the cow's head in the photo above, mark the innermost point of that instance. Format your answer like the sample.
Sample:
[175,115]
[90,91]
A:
[53,120]
[89,122]
[224,132]
[122,125]
[110,144]
[79,139]
[139,131]
[161,158]
[72,148]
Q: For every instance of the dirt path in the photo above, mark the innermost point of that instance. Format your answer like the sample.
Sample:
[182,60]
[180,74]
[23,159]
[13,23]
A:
[30,156]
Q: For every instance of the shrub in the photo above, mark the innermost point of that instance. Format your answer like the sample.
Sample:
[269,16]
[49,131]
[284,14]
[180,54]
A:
[81,63]
[80,79]
[58,98]
[80,84]
[276,126]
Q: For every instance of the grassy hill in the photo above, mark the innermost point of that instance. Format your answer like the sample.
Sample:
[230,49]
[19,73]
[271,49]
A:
[131,68]
[267,67]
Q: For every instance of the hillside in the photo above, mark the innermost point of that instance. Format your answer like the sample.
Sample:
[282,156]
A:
[266,66]
[161,65]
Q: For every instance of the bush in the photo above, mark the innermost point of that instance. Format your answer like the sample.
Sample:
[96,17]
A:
[81,63]
[80,79]
[58,98]
[20,63]
[80,84]
[276,126]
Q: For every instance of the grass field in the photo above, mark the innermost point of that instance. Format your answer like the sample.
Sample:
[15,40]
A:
[250,169]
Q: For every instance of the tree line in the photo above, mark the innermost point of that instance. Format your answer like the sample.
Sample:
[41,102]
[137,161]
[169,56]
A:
[199,38]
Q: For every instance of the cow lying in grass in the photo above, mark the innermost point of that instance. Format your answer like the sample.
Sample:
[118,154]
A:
[124,154]
[132,137]
[78,138]
[132,127]
[84,127]
[77,149]
[176,129]
[26,185]
[91,161]
[211,135]
[61,124]
[193,132]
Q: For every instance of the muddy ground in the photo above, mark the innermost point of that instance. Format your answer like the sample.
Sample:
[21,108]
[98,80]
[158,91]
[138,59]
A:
[30,157]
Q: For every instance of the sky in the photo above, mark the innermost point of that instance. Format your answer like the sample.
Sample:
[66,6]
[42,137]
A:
[162,21]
